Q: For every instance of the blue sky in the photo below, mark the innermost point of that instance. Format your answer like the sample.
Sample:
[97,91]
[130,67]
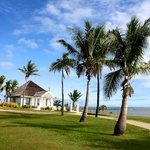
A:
[30,29]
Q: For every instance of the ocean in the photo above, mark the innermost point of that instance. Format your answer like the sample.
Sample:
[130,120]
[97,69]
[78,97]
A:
[132,111]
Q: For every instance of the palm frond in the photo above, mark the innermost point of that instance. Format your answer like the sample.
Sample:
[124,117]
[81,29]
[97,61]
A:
[112,82]
[143,69]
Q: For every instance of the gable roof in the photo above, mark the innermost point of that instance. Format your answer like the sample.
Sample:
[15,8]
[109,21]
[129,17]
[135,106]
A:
[31,89]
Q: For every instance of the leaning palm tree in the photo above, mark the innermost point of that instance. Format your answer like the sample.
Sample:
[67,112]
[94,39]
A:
[63,66]
[87,55]
[74,96]
[129,61]
[28,70]
[2,80]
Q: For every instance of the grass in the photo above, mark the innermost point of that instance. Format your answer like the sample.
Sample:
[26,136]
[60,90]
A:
[52,131]
[137,118]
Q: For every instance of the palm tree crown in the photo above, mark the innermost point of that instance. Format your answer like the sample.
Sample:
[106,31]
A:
[2,80]
[62,65]
[30,69]
[74,96]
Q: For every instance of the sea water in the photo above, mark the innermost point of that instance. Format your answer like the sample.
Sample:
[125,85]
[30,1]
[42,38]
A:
[132,111]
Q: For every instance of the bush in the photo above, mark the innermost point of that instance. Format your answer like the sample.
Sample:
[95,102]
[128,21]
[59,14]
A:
[26,106]
[47,108]
[9,104]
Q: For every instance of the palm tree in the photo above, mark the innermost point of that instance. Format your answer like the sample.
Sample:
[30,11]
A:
[57,103]
[14,85]
[9,87]
[2,80]
[86,53]
[63,66]
[28,70]
[105,46]
[74,96]
[129,61]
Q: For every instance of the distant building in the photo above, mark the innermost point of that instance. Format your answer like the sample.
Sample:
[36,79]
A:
[34,96]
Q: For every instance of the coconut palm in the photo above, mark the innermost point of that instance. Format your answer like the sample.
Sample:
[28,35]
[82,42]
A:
[74,96]
[129,61]
[86,53]
[9,87]
[63,65]
[2,80]
[28,70]
[105,46]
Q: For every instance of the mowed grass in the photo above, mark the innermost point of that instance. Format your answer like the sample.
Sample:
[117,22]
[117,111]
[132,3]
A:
[20,131]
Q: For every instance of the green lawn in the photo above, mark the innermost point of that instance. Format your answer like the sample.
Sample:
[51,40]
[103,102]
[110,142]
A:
[55,132]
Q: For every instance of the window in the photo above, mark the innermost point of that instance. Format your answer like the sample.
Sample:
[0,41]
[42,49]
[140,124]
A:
[27,101]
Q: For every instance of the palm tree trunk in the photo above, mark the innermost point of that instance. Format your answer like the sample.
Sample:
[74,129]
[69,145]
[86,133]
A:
[24,91]
[84,114]
[98,94]
[120,126]
[62,109]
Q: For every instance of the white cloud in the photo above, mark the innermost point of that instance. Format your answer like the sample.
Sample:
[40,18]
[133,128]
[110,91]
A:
[142,10]
[49,52]
[7,65]
[9,50]
[49,9]
[28,43]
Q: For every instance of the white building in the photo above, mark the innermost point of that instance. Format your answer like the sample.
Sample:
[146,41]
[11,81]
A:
[33,95]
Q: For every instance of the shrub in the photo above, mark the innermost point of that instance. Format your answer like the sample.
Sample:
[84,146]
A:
[47,108]
[26,106]
[10,104]
[42,108]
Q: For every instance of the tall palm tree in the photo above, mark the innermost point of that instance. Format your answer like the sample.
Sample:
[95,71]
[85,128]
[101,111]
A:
[129,61]
[105,46]
[87,54]
[63,66]
[2,80]
[28,70]
[74,96]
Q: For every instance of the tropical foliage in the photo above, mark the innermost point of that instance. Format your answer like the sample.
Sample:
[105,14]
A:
[9,87]
[130,47]
[74,96]
[57,103]
[63,65]
[29,70]
[2,80]
[87,53]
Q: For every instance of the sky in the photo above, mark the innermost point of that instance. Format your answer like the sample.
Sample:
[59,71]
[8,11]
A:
[29,31]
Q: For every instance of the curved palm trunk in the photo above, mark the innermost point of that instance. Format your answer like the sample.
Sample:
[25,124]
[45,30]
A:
[62,109]
[84,114]
[120,126]
[98,94]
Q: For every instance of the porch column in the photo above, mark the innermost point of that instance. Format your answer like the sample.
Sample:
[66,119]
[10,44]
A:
[71,107]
